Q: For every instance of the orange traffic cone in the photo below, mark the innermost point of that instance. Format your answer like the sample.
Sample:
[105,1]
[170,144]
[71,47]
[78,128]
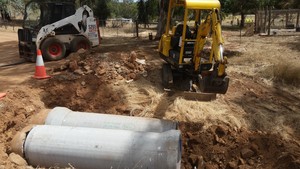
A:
[2,95]
[40,71]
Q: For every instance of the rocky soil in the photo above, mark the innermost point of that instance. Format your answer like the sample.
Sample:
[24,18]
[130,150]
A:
[255,125]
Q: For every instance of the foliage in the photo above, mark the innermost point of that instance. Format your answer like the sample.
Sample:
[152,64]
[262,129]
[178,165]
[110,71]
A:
[151,9]
[147,10]
[127,9]
[142,12]
[239,6]
[90,3]
[102,11]
[250,6]
[288,4]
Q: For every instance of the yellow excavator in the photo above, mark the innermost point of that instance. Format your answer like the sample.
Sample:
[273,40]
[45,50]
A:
[184,51]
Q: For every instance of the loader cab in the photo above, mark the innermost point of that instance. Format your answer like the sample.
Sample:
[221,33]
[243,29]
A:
[39,14]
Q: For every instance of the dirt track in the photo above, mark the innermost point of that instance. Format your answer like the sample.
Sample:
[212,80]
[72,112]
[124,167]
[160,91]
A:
[255,125]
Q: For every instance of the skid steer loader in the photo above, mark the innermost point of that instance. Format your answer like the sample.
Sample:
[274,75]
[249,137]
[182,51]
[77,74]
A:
[56,28]
[183,49]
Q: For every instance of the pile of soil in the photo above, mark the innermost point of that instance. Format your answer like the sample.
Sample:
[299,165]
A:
[15,112]
[221,146]
[88,81]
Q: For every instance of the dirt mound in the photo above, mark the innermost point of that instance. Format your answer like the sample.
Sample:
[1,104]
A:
[15,111]
[83,93]
[107,66]
[220,146]
[88,81]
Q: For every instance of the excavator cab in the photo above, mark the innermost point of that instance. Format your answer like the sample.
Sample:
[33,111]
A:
[185,47]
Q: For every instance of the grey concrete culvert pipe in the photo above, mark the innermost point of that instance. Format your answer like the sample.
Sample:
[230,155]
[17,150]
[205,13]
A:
[64,146]
[65,117]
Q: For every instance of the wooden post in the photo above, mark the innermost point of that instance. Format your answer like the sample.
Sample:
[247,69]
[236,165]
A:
[265,19]
[286,19]
[269,22]
[255,22]
[261,21]
[137,28]
[297,22]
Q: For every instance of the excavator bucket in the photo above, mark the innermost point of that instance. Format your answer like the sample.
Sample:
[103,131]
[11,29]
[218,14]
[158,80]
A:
[211,84]
[199,96]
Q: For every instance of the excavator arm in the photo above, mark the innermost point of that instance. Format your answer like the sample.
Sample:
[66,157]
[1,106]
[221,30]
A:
[217,45]
[211,81]
[211,24]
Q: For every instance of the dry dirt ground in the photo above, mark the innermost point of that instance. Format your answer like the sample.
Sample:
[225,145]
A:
[255,125]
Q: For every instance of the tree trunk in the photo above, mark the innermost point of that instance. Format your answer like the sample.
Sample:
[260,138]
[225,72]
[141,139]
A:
[269,20]
[161,21]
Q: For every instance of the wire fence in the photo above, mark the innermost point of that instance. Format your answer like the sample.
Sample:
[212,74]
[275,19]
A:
[12,25]
[111,28]
[126,28]
[277,19]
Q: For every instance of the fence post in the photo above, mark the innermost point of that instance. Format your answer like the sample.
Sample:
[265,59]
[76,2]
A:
[265,19]
[297,22]
[256,22]
[261,21]
[286,19]
[137,28]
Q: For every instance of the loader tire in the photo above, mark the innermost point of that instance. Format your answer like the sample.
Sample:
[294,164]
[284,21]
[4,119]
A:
[167,76]
[53,49]
[80,42]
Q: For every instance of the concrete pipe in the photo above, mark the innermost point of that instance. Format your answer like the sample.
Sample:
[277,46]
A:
[65,117]
[79,147]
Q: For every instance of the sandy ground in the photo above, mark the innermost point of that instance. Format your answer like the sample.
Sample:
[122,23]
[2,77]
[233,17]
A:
[255,125]
[10,54]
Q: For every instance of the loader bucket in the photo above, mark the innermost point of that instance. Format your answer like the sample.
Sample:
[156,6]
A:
[210,84]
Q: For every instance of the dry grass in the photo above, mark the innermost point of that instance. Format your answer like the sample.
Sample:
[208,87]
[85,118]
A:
[208,113]
[142,98]
[284,72]
[147,101]
[288,73]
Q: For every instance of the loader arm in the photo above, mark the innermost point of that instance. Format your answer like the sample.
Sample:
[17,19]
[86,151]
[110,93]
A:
[75,20]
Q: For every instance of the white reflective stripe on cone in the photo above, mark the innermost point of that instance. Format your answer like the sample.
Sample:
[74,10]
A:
[39,60]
